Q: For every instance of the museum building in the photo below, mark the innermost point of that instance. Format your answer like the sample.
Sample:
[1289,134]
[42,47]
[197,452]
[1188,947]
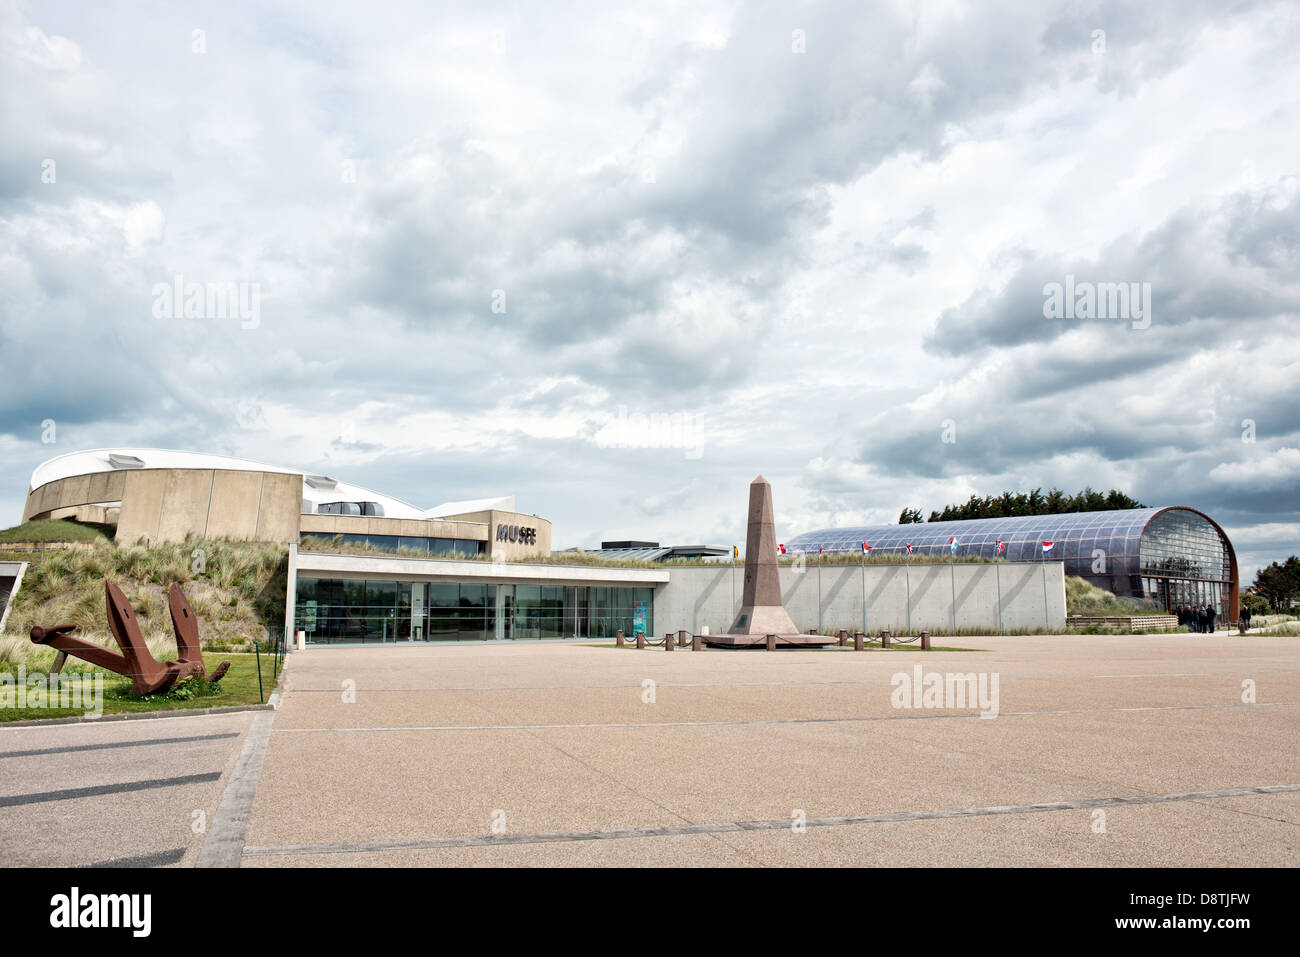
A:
[1173,556]
[365,567]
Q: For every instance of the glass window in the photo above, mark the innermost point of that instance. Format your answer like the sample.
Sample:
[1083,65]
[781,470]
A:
[415,546]
[343,610]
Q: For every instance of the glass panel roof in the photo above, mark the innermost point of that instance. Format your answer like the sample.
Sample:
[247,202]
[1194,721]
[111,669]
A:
[1079,536]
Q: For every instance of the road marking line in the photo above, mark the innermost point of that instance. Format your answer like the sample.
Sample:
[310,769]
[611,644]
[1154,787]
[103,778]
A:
[118,744]
[72,794]
[909,716]
[779,824]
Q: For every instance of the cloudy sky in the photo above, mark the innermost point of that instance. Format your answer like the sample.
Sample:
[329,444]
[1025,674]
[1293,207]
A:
[488,244]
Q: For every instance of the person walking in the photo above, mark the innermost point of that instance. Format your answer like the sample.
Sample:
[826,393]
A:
[1211,613]
[1245,619]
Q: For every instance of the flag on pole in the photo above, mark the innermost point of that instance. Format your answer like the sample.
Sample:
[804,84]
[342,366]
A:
[1001,547]
[909,548]
[1048,546]
[865,548]
[952,544]
[821,549]
[735,551]
[781,549]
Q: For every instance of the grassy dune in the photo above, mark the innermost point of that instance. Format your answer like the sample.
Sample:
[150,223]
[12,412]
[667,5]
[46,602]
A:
[58,530]
[236,590]
[1083,598]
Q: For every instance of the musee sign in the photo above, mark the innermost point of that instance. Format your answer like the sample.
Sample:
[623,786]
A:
[517,533]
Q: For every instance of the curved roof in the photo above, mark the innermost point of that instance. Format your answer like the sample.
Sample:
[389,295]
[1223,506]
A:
[1116,533]
[316,489]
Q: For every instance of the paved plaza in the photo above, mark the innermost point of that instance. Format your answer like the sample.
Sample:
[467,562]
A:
[1106,751]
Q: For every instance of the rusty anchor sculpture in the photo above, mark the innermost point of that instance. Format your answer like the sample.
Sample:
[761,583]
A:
[147,674]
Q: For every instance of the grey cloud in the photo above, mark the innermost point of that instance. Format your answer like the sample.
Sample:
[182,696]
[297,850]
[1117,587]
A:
[1199,264]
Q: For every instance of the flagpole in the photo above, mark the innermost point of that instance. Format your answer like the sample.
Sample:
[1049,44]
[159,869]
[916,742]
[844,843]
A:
[864,589]
[997,572]
[1046,623]
[820,551]
[733,582]
[907,570]
[952,566]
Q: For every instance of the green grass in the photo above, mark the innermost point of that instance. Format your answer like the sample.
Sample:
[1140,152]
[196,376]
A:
[1086,599]
[58,530]
[236,589]
[238,687]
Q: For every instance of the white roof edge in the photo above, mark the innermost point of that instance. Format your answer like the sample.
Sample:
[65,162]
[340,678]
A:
[504,503]
[86,461]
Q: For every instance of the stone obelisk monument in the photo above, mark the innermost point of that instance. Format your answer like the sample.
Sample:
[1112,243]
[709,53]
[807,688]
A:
[762,612]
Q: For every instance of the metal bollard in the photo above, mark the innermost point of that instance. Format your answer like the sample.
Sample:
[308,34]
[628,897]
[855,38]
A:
[619,642]
[844,637]
[884,639]
[925,641]
[857,641]
[640,640]
[695,643]
[771,642]
[669,642]
[681,638]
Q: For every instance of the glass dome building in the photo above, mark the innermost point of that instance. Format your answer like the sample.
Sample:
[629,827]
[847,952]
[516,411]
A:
[1172,556]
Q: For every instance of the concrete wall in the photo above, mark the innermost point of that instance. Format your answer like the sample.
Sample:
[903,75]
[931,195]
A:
[166,505]
[696,596]
[64,494]
[506,550]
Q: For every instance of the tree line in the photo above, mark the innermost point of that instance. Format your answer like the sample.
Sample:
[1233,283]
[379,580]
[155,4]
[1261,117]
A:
[1008,504]
[1278,584]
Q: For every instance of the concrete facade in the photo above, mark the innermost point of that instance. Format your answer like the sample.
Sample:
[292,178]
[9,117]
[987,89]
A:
[700,596]
[166,505]
[501,545]
[472,526]
[693,597]
[157,505]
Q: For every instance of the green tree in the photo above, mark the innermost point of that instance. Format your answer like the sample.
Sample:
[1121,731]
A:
[1255,604]
[1008,504]
[1279,584]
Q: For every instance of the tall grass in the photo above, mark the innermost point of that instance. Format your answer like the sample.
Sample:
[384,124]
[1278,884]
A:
[1084,598]
[58,530]
[236,589]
